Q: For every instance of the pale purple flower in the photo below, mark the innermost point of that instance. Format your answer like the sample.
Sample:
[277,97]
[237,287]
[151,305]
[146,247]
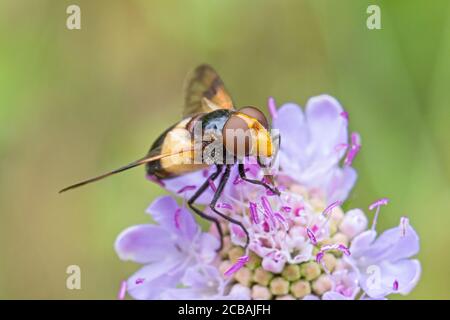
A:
[386,259]
[166,250]
[308,152]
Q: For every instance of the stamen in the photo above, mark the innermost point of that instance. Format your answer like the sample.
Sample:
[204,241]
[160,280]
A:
[354,149]
[224,205]
[205,173]
[377,204]
[298,210]
[254,213]
[122,290]
[268,209]
[212,185]
[395,285]
[237,266]
[186,188]
[315,228]
[344,114]
[286,209]
[311,236]
[139,281]
[339,247]
[176,218]
[331,207]
[272,108]
[404,223]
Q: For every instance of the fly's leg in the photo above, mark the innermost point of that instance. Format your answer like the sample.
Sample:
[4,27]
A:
[197,194]
[253,181]
[216,197]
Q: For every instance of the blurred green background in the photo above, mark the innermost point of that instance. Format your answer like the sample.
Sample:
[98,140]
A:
[74,103]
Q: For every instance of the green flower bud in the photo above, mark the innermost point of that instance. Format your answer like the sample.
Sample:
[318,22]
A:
[310,270]
[235,253]
[291,272]
[286,297]
[330,261]
[322,284]
[279,286]
[300,289]
[262,276]
[261,293]
[243,276]
[254,261]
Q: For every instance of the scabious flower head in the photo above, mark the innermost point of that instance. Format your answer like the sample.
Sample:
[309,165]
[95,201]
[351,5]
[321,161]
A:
[302,243]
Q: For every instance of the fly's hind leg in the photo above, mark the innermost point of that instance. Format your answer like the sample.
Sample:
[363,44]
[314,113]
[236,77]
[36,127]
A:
[197,194]
[220,188]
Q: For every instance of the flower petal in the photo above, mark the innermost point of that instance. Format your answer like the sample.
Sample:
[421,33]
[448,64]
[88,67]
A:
[294,135]
[391,245]
[156,279]
[328,128]
[405,272]
[170,216]
[195,179]
[144,244]
[340,184]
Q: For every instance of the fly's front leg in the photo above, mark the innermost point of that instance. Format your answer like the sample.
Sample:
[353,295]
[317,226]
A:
[197,194]
[220,188]
[253,181]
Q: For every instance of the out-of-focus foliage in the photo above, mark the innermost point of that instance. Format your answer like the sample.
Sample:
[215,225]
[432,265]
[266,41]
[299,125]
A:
[77,103]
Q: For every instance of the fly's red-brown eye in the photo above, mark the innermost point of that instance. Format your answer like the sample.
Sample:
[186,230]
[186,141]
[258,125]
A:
[237,137]
[256,114]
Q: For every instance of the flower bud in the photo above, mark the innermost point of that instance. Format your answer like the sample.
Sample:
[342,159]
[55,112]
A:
[329,262]
[286,297]
[243,276]
[260,293]
[300,289]
[354,222]
[235,253]
[262,276]
[322,284]
[291,272]
[310,270]
[224,266]
[279,286]
[254,261]
[240,291]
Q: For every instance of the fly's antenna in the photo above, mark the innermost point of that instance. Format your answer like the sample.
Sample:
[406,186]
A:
[133,164]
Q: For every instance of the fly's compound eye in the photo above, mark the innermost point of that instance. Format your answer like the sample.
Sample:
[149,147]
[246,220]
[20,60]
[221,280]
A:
[256,114]
[237,137]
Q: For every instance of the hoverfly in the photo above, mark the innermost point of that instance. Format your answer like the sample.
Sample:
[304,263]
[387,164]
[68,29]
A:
[208,106]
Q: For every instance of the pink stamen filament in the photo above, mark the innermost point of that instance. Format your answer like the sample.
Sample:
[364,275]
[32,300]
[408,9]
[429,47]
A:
[377,204]
[328,209]
[395,285]
[286,209]
[139,280]
[237,266]
[122,290]
[254,213]
[272,108]
[311,236]
[176,218]
[339,247]
[354,149]
[224,205]
[186,188]
[404,223]
[212,185]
